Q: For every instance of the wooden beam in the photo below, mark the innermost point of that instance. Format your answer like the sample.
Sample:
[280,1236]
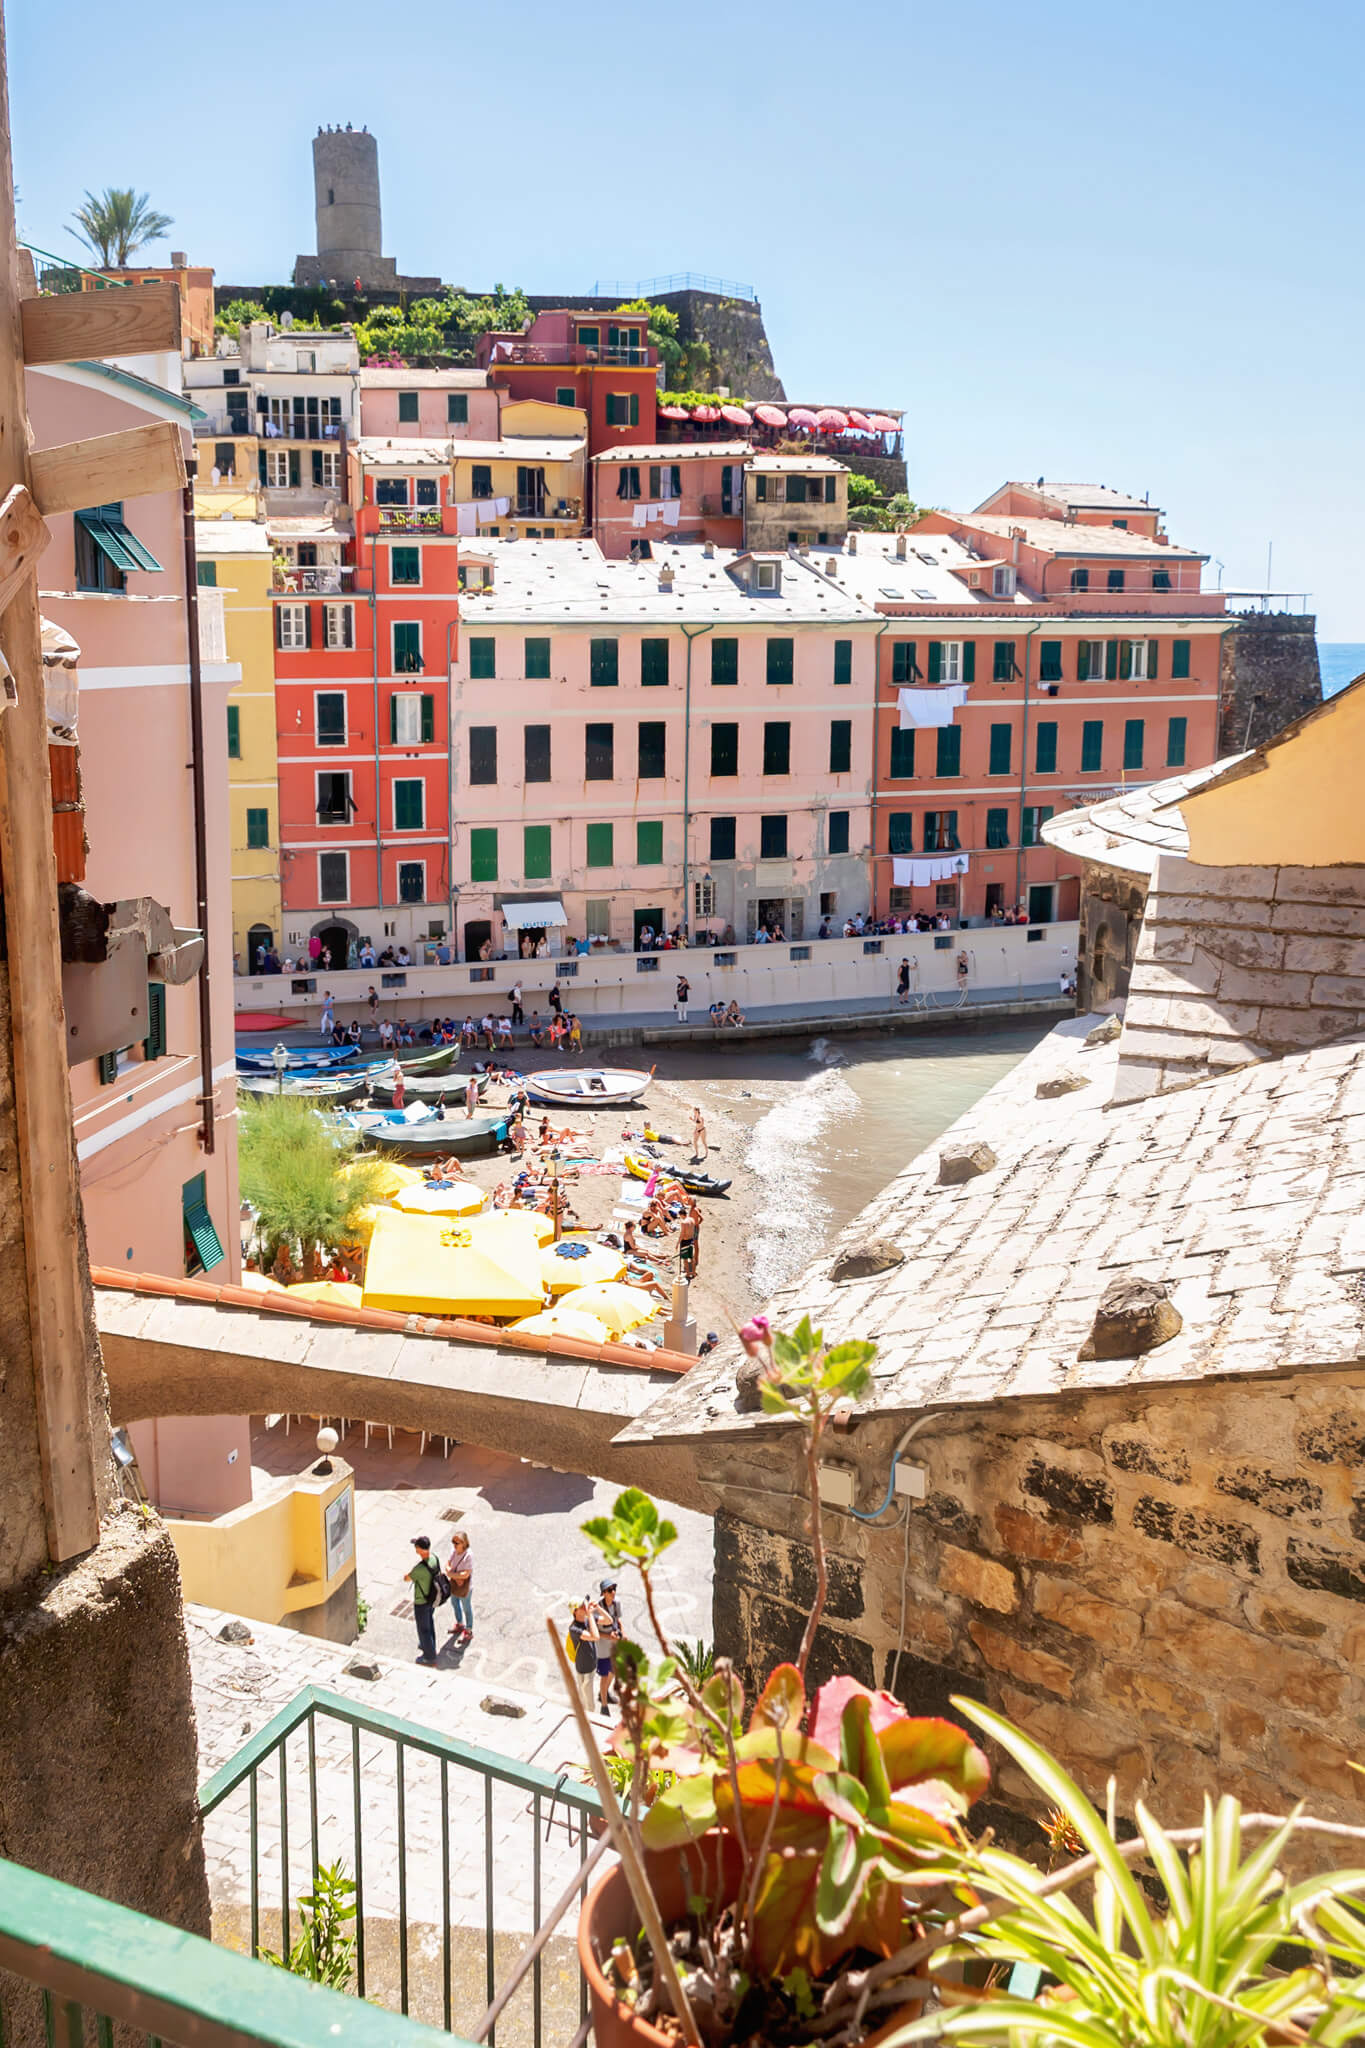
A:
[125,320]
[23,536]
[133,464]
[61,1344]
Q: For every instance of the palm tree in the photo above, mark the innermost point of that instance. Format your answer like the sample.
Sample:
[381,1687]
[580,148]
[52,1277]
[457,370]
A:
[117,224]
[304,1184]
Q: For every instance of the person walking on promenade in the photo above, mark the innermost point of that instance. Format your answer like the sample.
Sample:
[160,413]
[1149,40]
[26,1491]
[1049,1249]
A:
[327,1021]
[680,996]
[556,1000]
[903,983]
[701,1147]
[583,1640]
[606,1615]
[425,1580]
[471,1096]
[575,1036]
[460,1572]
[517,1015]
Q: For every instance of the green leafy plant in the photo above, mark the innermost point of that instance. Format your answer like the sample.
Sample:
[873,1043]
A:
[303,1182]
[325,1949]
[117,224]
[697,1660]
[237,314]
[362,1615]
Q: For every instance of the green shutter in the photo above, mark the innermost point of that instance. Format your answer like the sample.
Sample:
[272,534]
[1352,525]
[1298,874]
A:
[780,661]
[1152,648]
[900,832]
[234,724]
[843,662]
[1002,737]
[317,468]
[483,853]
[407,804]
[935,661]
[483,651]
[154,1044]
[428,720]
[1132,743]
[600,838]
[725,661]
[902,753]
[260,464]
[203,1246]
[1082,661]
[1125,661]
[393,719]
[1002,666]
[969,661]
[649,842]
[902,661]
[537,663]
[295,471]
[840,746]
[949,759]
[653,663]
[1092,746]
[108,1068]
[1111,660]
[1180,660]
[997,828]
[535,855]
[257,828]
[604,667]
[635,408]
[206,575]
[1175,742]
[1045,761]
[1049,661]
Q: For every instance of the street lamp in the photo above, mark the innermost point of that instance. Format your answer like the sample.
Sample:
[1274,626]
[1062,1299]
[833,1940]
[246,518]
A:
[959,869]
[280,1060]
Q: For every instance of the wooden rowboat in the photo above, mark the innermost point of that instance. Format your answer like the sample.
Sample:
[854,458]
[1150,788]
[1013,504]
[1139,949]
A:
[588,1087]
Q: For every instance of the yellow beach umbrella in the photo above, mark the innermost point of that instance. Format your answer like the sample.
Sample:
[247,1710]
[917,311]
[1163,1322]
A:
[565,1322]
[261,1283]
[343,1292]
[578,1262]
[390,1177]
[447,1266]
[621,1308]
[461,1198]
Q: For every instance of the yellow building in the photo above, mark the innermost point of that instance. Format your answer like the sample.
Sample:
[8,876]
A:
[1293,801]
[234,591]
[536,466]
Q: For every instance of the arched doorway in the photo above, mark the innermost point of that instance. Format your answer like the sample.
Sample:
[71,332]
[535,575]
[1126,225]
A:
[334,935]
[259,940]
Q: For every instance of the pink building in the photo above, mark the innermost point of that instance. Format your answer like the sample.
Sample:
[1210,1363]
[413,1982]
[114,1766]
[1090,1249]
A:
[676,492]
[428,405]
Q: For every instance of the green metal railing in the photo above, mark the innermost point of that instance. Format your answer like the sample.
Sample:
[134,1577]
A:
[350,1784]
[80,1966]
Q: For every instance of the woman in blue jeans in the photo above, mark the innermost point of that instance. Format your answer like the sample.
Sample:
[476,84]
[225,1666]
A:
[460,1571]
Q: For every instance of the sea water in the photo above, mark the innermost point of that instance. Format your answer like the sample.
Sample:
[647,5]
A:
[1340,662]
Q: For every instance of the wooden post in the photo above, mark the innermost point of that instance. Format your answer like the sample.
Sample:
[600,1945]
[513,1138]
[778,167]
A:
[48,1186]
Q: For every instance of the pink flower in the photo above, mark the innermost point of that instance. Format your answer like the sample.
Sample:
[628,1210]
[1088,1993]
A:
[756,1335]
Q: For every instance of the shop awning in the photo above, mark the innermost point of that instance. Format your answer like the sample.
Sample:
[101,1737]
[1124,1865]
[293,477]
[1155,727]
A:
[534,916]
[105,526]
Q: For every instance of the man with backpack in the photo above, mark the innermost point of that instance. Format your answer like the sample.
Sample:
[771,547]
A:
[429,1588]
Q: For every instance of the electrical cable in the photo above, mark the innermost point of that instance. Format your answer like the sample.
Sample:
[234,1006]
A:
[904,1439]
[905,1583]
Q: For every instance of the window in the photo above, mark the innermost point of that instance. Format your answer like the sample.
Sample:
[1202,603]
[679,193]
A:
[1132,742]
[1092,746]
[843,663]
[997,828]
[724,749]
[535,852]
[902,753]
[338,625]
[329,718]
[777,746]
[1180,660]
[407,408]
[831,493]
[623,409]
[333,882]
[483,753]
[1002,666]
[409,804]
[407,649]
[483,649]
[725,661]
[780,660]
[1002,740]
[537,660]
[257,828]
[654,664]
[1175,742]
[206,575]
[566,395]
[722,839]
[457,409]
[1135,659]
[326,468]
[949,754]
[234,725]
[203,1246]
[412,886]
[900,832]
[292,626]
[1114,579]
[665,480]
[412,719]
[483,853]
[940,832]
[604,667]
[1049,661]
[838,831]
[653,749]
[405,565]
[391,490]
[596,923]
[600,846]
[1002,582]
[480,480]
[1035,817]
[772,836]
[1045,755]
[768,576]
[335,803]
[840,746]
[1161,579]
[796,489]
[598,748]
[952,661]
[1080,579]
[904,667]
[154,1044]
[589,337]
[649,842]
[627,480]
[760,490]
[536,751]
[1089,660]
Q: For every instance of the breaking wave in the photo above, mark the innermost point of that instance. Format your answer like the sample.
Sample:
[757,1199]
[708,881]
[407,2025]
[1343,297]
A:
[785,1151]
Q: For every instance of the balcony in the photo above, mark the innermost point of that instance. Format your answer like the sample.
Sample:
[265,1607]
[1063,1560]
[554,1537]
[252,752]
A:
[531,353]
[224,425]
[410,519]
[325,582]
[295,429]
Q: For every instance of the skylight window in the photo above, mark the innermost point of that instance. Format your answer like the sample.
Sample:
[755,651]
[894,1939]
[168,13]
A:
[926,595]
[887,591]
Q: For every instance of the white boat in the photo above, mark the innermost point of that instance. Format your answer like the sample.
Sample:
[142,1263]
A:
[588,1087]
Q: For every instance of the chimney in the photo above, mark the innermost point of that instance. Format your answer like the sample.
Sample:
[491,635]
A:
[179,260]
[853,543]
[665,576]
[709,550]
[900,547]
[832,565]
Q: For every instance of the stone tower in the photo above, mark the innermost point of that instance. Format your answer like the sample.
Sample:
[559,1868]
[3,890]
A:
[346,203]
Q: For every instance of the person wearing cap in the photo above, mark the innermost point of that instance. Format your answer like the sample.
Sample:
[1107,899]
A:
[584,1636]
[607,1617]
[423,1580]
[708,1344]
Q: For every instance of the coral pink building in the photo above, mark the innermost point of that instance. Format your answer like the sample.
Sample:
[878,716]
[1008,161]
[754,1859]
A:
[679,491]
[430,405]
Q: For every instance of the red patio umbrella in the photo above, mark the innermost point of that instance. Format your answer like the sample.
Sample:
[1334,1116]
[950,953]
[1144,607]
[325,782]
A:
[736,415]
[882,423]
[672,412]
[801,416]
[830,420]
[706,413]
[859,420]
[770,416]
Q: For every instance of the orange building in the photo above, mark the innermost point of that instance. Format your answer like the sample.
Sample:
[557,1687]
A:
[193,281]
[601,362]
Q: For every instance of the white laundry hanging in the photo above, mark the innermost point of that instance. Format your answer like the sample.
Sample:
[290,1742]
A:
[501,507]
[917,874]
[467,519]
[931,707]
[668,511]
[637,517]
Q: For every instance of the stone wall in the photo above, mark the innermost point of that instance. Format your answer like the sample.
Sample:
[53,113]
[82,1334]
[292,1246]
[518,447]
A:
[1112,905]
[1166,1586]
[887,472]
[740,353]
[1269,676]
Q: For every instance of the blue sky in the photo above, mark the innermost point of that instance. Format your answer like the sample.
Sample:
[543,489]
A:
[1089,241]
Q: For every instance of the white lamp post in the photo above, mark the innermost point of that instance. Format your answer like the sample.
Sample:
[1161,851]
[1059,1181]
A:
[959,869]
[280,1060]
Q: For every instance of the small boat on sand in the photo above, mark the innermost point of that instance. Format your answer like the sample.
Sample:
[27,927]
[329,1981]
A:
[332,1089]
[588,1087]
[323,1059]
[641,1167]
[401,1132]
[423,1087]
